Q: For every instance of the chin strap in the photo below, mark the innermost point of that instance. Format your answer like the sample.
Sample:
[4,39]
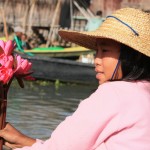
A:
[117,66]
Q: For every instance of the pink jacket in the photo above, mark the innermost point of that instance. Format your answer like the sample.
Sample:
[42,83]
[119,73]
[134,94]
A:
[115,117]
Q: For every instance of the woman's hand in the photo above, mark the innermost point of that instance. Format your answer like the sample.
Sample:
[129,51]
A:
[14,138]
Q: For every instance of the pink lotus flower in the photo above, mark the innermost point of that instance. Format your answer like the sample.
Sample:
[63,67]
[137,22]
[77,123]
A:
[5,74]
[5,59]
[9,47]
[2,44]
[12,66]
[23,66]
[6,48]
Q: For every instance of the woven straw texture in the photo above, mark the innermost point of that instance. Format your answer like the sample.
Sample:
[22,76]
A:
[111,28]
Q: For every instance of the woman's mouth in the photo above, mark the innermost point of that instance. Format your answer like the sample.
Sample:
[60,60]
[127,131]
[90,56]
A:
[99,74]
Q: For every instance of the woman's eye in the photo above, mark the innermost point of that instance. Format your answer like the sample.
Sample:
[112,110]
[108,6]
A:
[105,50]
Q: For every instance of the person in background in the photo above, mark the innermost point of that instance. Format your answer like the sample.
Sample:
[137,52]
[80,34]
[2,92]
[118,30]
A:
[24,40]
[117,115]
[95,22]
[18,38]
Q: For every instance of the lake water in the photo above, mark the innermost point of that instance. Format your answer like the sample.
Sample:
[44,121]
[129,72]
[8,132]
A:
[37,109]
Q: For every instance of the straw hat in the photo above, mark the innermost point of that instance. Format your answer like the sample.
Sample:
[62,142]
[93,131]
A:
[127,25]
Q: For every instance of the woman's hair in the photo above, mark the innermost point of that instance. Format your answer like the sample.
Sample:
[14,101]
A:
[135,65]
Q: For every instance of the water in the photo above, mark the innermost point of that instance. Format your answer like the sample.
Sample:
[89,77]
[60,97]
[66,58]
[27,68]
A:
[37,109]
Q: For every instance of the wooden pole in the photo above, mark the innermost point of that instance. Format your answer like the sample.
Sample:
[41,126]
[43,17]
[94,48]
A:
[82,10]
[26,16]
[4,22]
[49,40]
[31,16]
[3,106]
[90,13]
[71,14]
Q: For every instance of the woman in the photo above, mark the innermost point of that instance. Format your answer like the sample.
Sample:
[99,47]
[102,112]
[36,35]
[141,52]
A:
[116,115]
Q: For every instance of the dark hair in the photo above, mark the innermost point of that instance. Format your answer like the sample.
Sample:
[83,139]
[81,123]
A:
[135,65]
[99,13]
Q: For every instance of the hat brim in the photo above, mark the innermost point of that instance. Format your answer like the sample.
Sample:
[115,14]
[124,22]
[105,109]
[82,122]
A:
[88,39]
[115,30]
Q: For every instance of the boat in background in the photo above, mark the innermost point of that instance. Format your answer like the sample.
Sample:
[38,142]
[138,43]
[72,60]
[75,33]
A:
[58,51]
[48,68]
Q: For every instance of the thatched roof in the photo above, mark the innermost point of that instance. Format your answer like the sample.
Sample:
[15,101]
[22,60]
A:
[19,11]
[41,12]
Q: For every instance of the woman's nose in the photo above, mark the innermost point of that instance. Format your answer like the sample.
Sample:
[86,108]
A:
[98,57]
[97,61]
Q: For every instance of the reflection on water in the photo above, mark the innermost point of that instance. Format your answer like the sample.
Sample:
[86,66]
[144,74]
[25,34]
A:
[36,110]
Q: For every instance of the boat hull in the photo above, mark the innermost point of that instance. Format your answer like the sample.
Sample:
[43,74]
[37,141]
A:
[46,68]
[60,52]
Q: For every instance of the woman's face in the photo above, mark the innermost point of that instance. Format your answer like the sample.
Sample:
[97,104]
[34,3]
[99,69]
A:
[106,60]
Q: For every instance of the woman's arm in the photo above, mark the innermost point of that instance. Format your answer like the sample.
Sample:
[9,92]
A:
[14,138]
[95,120]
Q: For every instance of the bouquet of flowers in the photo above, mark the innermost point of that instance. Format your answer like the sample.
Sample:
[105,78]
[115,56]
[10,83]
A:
[11,66]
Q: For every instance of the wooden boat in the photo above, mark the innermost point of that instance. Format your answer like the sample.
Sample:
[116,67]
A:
[59,51]
[52,69]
